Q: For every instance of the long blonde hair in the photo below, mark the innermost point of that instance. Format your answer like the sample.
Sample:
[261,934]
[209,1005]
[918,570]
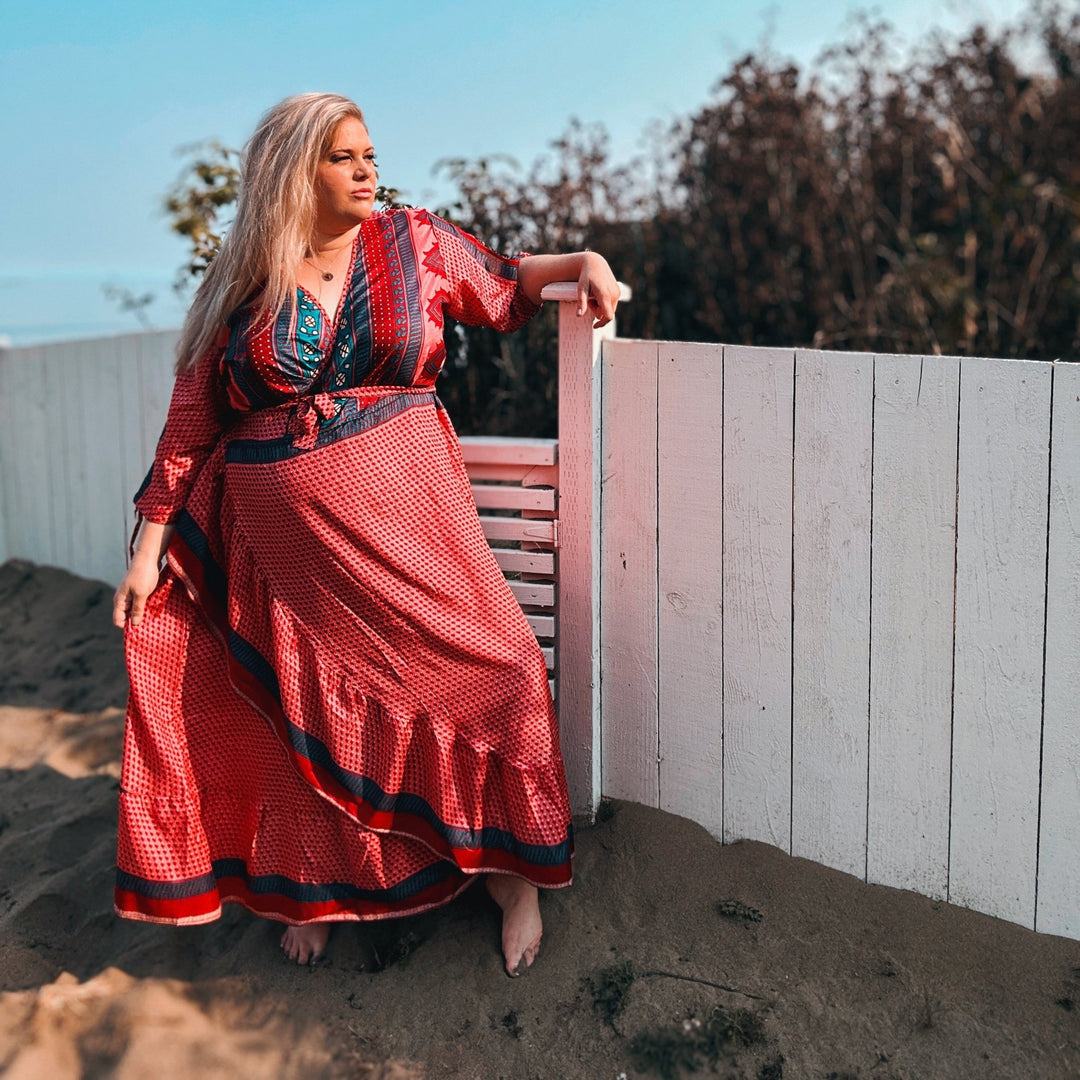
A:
[275,218]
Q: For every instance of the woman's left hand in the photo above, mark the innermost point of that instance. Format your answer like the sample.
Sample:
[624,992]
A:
[598,291]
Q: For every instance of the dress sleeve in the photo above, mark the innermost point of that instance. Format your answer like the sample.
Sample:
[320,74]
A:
[192,428]
[483,285]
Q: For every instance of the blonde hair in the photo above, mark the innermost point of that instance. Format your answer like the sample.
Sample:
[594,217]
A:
[275,218]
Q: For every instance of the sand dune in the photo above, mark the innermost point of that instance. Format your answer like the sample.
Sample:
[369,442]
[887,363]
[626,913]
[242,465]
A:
[808,973]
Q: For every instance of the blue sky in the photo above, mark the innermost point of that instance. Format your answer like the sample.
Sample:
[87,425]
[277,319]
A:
[95,100]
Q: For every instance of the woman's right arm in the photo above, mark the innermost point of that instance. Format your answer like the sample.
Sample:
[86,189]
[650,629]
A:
[142,576]
[192,430]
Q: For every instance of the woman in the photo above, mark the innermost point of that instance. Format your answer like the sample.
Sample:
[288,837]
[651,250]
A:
[337,710]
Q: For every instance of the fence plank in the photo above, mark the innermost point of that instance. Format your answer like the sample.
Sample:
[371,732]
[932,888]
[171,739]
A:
[1058,908]
[505,497]
[508,450]
[628,572]
[129,435]
[1002,479]
[101,518]
[28,424]
[759,387]
[831,598]
[580,364]
[689,486]
[156,361]
[914,556]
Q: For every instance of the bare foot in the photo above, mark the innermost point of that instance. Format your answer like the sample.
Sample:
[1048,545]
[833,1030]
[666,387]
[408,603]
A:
[521,928]
[305,944]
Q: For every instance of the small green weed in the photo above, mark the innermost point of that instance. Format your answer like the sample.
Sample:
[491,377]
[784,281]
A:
[669,1050]
[609,987]
[736,909]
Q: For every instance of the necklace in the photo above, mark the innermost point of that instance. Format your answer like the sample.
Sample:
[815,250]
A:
[326,275]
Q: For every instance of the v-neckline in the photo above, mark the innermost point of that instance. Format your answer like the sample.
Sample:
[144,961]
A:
[327,320]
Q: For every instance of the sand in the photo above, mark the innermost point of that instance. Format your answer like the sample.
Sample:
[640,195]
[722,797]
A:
[809,973]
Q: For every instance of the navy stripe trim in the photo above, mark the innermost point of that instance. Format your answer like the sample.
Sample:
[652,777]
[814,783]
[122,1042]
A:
[165,890]
[189,531]
[363,787]
[410,278]
[303,892]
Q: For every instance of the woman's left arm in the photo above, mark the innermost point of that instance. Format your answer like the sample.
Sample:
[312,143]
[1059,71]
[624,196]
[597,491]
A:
[598,291]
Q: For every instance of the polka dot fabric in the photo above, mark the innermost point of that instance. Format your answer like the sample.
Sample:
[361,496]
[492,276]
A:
[337,708]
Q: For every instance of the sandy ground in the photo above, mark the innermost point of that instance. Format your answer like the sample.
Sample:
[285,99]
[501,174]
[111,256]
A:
[804,973]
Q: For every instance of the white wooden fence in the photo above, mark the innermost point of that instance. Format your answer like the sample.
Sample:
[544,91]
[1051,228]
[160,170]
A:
[824,600]
[840,602]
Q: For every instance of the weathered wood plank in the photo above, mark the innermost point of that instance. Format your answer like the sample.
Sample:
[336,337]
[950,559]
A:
[1002,479]
[60,364]
[35,478]
[914,558]
[504,450]
[99,503]
[579,557]
[1058,908]
[689,486]
[759,388]
[129,435]
[533,593]
[525,475]
[513,561]
[157,359]
[628,649]
[543,626]
[831,632]
[504,497]
[536,530]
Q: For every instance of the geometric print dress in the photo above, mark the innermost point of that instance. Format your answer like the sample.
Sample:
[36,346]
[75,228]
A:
[337,709]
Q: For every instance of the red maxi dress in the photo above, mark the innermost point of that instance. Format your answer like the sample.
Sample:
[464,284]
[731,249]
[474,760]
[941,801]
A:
[337,708]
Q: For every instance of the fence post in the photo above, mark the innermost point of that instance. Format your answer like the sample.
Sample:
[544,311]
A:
[578,642]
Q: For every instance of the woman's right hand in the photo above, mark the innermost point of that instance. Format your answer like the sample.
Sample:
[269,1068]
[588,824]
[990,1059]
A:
[131,596]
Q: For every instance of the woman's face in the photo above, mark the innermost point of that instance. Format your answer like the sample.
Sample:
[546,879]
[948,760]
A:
[345,179]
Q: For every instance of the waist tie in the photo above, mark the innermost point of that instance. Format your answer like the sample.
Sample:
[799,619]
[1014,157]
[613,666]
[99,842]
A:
[313,420]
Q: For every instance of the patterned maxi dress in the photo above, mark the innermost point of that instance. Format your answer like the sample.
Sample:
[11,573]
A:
[337,708]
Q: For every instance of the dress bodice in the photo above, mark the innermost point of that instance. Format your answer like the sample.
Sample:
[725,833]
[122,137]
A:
[408,268]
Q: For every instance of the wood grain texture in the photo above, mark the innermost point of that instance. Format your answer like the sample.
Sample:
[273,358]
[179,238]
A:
[914,556]
[129,434]
[506,497]
[508,450]
[1002,481]
[759,387]
[579,555]
[1058,907]
[831,598]
[628,649]
[100,502]
[689,486]
[42,405]
[518,529]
